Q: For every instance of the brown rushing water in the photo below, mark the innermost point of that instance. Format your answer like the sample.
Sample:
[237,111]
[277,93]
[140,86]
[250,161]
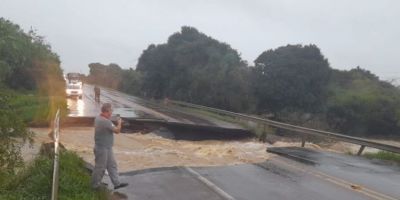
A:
[137,151]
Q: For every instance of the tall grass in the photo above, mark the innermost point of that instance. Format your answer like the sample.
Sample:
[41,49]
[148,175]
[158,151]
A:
[384,155]
[36,110]
[34,181]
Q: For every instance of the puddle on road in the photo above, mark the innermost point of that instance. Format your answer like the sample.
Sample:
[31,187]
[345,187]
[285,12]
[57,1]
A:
[77,107]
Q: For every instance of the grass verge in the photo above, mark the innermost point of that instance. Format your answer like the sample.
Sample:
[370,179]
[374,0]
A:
[34,181]
[384,155]
[36,110]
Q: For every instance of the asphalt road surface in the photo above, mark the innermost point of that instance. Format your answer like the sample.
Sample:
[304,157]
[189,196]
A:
[332,176]
[133,107]
[87,107]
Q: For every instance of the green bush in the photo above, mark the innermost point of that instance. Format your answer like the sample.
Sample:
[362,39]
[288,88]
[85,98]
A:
[34,182]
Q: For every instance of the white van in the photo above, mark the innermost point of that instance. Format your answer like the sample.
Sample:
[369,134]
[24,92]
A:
[74,90]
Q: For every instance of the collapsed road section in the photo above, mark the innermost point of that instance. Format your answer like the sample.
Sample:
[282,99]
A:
[140,116]
[171,130]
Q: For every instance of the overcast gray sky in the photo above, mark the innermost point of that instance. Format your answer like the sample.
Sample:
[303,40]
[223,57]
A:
[349,33]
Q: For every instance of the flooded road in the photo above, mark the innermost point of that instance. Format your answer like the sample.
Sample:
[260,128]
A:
[132,107]
[137,151]
[88,107]
[142,151]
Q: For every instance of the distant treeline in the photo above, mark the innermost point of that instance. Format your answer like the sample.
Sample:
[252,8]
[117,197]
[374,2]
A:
[293,83]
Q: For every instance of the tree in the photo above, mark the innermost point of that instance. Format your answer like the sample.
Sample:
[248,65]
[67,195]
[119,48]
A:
[196,68]
[131,81]
[361,104]
[27,61]
[105,75]
[291,78]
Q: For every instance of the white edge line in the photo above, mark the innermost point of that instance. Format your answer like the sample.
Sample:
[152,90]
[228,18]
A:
[209,183]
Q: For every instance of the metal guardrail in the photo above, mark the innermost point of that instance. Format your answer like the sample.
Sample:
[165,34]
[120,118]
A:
[355,140]
[337,136]
[56,167]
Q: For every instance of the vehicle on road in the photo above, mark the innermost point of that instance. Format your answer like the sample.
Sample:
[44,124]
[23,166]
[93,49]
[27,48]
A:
[74,90]
[73,78]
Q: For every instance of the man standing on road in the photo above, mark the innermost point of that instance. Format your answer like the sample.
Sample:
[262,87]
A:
[96,94]
[104,156]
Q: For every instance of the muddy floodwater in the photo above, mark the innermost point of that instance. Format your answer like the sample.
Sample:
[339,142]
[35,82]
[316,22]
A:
[141,151]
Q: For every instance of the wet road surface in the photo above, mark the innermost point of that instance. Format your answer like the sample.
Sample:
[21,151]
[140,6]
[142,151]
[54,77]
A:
[145,116]
[334,176]
[87,107]
[132,107]
[358,171]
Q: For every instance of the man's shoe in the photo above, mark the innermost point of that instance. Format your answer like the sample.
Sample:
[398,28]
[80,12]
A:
[121,185]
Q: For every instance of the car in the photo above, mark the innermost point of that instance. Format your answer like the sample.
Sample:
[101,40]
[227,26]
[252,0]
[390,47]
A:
[74,90]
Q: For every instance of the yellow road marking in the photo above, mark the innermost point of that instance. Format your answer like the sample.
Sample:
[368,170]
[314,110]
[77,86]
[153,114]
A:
[340,182]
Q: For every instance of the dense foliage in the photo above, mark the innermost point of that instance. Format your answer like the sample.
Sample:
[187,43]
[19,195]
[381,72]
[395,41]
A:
[293,83]
[131,81]
[292,78]
[31,87]
[361,104]
[28,65]
[30,81]
[34,181]
[13,135]
[195,68]
[27,62]
[105,75]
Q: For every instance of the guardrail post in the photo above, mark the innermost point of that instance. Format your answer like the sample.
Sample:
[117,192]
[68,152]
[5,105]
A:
[56,132]
[263,136]
[299,129]
[303,141]
[360,150]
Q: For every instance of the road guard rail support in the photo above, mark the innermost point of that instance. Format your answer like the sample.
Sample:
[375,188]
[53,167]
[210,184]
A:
[56,167]
[303,130]
[325,134]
